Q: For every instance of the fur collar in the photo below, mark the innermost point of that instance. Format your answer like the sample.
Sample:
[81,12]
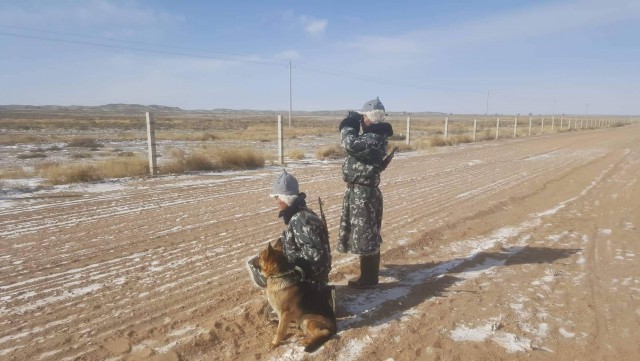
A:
[376,116]
[384,129]
[296,207]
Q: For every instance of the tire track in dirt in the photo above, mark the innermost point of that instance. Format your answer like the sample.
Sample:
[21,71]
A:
[142,265]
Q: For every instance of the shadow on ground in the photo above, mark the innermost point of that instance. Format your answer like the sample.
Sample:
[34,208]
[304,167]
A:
[404,286]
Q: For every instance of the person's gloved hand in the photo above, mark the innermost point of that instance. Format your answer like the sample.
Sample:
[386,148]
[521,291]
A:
[352,120]
[355,115]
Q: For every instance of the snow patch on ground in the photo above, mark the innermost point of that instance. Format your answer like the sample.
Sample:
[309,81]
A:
[489,331]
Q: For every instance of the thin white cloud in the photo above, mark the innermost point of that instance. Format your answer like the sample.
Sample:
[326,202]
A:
[288,54]
[403,44]
[311,25]
[539,21]
[530,22]
[314,27]
[91,13]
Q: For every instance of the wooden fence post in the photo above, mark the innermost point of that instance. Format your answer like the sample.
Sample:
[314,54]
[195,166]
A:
[553,123]
[151,142]
[280,141]
[515,127]
[475,128]
[542,126]
[529,125]
[408,131]
[498,128]
[446,128]
[561,119]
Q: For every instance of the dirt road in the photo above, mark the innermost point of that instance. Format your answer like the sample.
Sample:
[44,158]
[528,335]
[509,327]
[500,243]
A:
[514,249]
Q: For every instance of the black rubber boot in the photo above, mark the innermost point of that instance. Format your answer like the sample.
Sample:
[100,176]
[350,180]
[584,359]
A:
[369,268]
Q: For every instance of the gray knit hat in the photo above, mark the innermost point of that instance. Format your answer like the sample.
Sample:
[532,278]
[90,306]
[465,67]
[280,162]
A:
[374,104]
[374,110]
[285,184]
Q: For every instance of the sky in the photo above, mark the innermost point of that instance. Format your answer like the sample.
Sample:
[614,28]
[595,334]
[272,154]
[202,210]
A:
[495,57]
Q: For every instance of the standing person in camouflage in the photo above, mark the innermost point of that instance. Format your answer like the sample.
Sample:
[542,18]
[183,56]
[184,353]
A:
[362,204]
[304,241]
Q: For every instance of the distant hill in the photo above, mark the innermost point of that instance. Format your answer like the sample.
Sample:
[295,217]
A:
[108,108]
[139,109]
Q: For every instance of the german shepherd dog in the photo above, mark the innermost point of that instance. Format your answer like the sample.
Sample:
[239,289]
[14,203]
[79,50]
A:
[305,303]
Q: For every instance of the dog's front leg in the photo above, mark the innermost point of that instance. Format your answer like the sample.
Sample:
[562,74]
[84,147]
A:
[283,325]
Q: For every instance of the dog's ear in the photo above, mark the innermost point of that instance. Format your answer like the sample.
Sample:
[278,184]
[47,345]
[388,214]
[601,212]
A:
[278,245]
[269,249]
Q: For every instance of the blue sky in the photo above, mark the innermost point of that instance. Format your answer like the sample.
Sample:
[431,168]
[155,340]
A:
[582,56]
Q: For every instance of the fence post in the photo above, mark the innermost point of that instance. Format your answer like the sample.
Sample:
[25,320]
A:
[408,131]
[280,143]
[498,128]
[475,127]
[569,126]
[542,126]
[561,119]
[151,142]
[446,128]
[515,127]
[529,125]
[553,123]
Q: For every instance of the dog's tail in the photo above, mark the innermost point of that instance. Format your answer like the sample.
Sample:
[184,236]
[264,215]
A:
[318,340]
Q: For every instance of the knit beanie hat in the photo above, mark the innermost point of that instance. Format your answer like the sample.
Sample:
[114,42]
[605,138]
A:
[285,185]
[374,110]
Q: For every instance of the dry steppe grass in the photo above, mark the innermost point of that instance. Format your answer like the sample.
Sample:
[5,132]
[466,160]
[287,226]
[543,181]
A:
[212,159]
[56,173]
[295,154]
[206,136]
[334,151]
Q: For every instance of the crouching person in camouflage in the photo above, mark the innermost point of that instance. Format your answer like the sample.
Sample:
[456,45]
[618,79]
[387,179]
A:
[362,204]
[305,240]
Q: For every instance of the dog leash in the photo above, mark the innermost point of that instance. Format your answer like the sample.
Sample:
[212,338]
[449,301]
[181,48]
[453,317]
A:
[294,270]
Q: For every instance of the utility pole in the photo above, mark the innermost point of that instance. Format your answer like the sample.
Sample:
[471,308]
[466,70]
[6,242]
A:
[290,95]
[151,143]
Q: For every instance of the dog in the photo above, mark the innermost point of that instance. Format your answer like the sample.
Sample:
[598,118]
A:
[294,300]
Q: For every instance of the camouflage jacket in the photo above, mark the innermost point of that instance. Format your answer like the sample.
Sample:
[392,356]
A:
[305,242]
[365,153]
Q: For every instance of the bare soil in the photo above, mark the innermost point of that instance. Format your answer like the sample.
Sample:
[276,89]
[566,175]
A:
[517,249]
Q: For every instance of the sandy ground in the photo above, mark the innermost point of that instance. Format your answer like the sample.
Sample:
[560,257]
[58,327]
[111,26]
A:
[504,250]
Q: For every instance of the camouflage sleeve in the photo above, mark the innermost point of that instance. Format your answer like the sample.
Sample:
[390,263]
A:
[307,239]
[354,145]
[288,244]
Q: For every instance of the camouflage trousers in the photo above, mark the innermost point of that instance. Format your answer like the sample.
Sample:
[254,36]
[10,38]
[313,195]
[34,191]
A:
[361,221]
